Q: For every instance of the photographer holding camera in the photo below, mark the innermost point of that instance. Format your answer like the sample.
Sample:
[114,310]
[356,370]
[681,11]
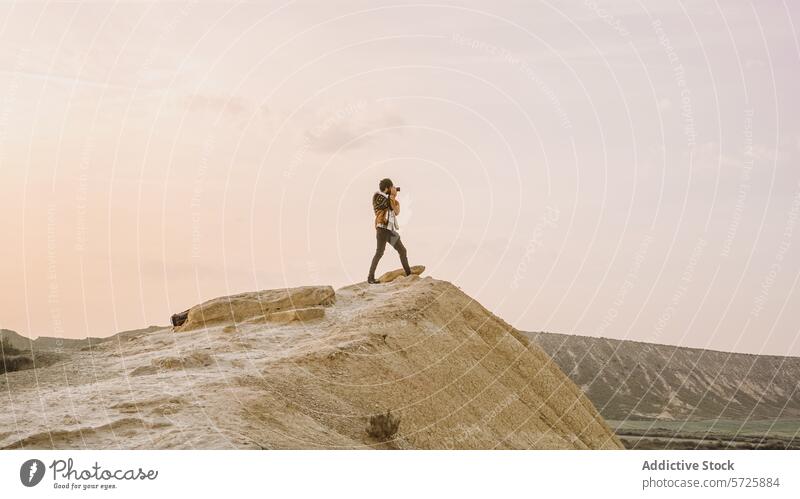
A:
[386,208]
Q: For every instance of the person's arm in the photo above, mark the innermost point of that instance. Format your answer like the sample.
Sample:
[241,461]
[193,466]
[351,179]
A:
[394,202]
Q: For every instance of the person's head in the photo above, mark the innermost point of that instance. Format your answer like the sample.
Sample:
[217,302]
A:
[385,185]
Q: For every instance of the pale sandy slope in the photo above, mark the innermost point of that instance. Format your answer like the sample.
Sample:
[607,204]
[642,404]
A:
[457,376]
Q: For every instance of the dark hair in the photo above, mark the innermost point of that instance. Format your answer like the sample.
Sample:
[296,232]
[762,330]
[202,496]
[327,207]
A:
[385,184]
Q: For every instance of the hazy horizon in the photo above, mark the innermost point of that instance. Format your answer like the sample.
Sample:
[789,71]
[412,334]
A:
[627,169]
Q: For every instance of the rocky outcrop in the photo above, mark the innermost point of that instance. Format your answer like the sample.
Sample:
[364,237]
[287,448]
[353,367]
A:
[18,353]
[279,305]
[56,345]
[297,314]
[394,274]
[411,364]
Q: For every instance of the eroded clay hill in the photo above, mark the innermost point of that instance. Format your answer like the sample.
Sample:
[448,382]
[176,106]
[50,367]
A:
[307,368]
[633,380]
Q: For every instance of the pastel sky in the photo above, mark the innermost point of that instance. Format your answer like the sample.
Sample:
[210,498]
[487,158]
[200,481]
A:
[624,169]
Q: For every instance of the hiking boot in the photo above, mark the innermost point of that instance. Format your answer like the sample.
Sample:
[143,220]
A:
[371,280]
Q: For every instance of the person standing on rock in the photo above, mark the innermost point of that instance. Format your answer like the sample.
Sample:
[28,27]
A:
[386,208]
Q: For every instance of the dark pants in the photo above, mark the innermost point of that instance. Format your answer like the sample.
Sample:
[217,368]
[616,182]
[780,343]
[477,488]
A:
[383,236]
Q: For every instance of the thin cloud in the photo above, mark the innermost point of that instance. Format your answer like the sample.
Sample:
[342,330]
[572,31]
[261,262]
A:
[351,127]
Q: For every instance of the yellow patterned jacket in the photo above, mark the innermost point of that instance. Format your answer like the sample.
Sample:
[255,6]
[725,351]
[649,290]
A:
[381,204]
